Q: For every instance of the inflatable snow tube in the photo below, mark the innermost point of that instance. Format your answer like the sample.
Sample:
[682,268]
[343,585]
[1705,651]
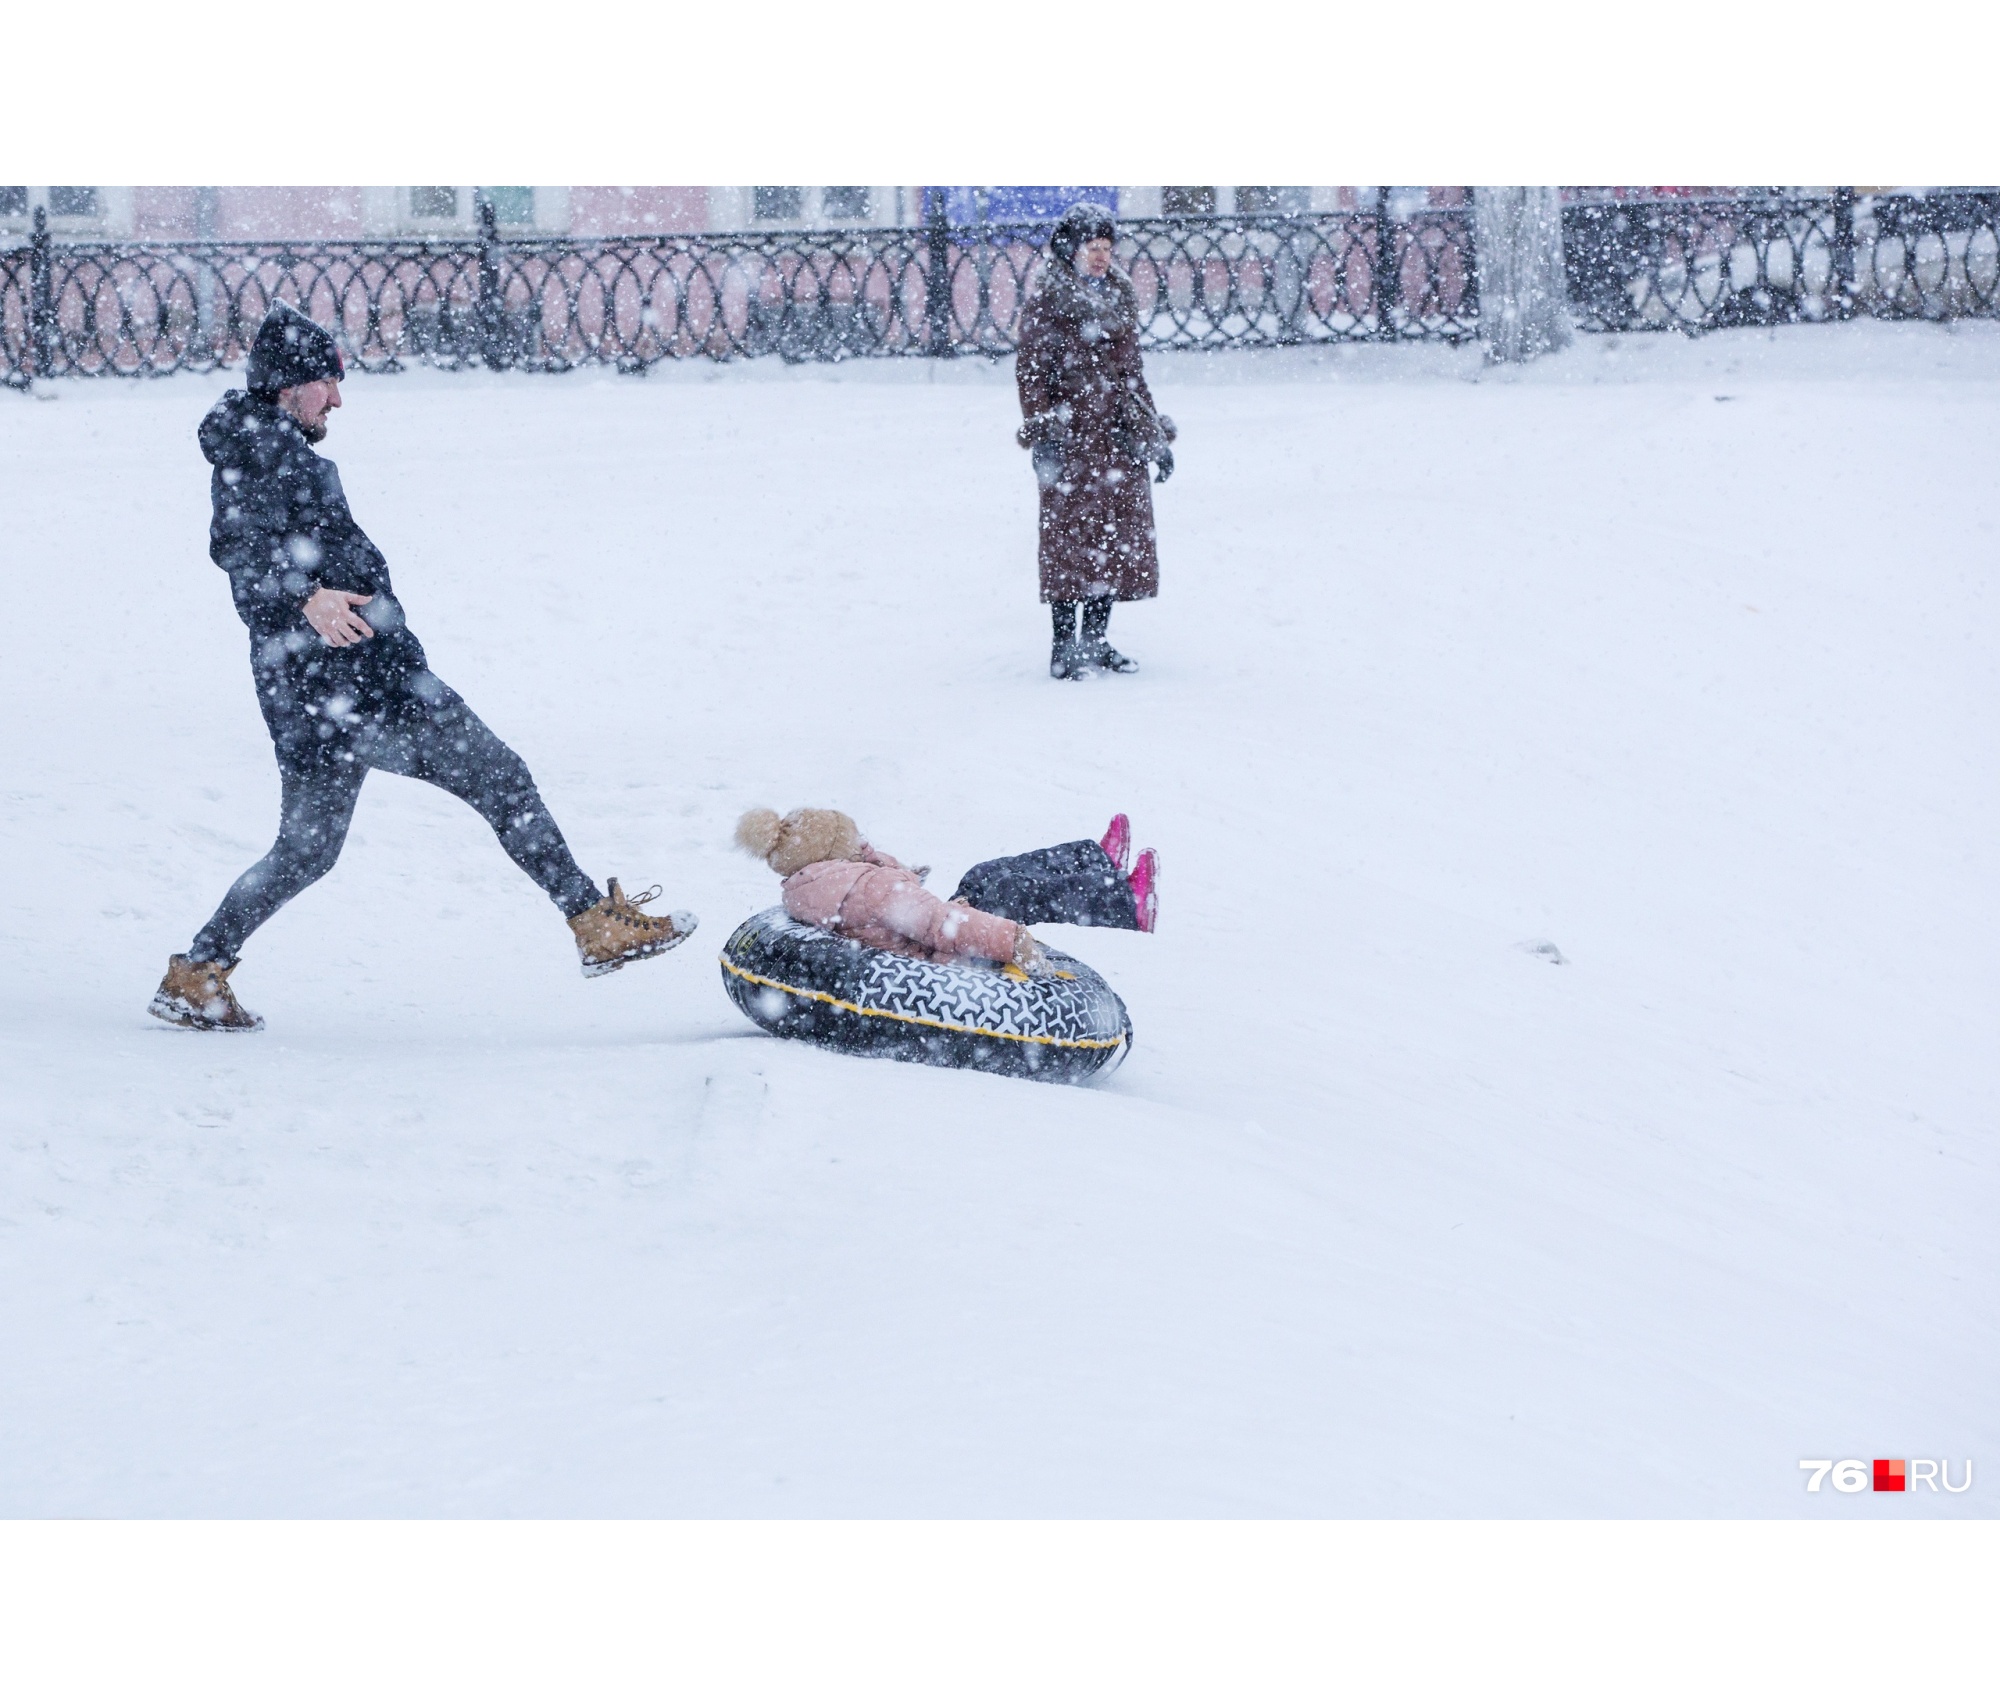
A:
[1063,1024]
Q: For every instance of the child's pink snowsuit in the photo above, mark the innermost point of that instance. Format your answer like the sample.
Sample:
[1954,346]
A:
[877,900]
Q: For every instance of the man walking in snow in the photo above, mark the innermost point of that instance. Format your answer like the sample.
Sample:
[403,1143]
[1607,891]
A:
[345,687]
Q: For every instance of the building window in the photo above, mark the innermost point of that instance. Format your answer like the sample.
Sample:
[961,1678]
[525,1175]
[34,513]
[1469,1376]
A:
[513,205]
[845,201]
[778,201]
[72,201]
[1180,200]
[13,200]
[1271,198]
[433,201]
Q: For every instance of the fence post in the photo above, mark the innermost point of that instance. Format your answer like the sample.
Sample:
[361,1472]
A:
[937,276]
[1843,251]
[492,312]
[1470,290]
[41,298]
[207,204]
[1384,287]
[982,264]
[1522,270]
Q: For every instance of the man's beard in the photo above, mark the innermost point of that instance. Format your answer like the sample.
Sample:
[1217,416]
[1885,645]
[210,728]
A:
[315,432]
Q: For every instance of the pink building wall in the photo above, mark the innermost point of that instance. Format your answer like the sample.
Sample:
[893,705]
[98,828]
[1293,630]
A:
[162,213]
[324,211]
[629,211]
[313,212]
[244,213]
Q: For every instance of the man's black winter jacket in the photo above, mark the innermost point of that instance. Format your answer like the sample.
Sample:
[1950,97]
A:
[282,529]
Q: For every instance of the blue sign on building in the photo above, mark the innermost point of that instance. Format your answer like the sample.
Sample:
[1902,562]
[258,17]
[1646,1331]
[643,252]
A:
[1020,204]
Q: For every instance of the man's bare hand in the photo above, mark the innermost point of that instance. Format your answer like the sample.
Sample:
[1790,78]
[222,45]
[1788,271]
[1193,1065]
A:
[333,617]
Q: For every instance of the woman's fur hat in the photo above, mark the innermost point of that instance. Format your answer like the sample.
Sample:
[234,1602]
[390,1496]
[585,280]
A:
[1077,227]
[798,839]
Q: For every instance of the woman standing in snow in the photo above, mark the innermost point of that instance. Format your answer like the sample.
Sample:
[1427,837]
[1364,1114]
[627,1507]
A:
[1091,425]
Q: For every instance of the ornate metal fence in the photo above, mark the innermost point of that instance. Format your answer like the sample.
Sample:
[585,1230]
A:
[550,304]
[1698,263]
[1204,283]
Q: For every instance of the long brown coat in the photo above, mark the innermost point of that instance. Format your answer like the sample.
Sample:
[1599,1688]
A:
[1083,388]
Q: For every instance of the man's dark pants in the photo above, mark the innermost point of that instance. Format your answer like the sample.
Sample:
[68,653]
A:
[423,730]
[1073,884]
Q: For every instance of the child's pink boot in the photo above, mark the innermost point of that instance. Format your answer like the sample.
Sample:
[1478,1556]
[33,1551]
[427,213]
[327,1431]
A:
[1117,843]
[1145,881]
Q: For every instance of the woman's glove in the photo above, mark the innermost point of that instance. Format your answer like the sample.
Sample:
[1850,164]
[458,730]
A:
[1048,460]
[1028,955]
[1163,459]
[1042,437]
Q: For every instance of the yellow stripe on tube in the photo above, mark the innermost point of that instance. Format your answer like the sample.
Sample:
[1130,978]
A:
[731,967]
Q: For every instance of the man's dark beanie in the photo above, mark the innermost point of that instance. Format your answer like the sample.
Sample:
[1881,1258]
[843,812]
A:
[291,350]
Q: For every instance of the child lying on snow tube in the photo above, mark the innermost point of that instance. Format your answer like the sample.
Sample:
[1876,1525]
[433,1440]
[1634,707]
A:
[835,880]
[862,958]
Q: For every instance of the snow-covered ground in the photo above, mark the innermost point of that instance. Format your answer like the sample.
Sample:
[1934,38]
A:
[1679,657]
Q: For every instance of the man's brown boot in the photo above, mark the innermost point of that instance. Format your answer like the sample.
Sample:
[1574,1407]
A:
[614,932]
[196,994]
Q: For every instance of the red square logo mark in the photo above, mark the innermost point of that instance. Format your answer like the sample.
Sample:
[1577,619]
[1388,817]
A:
[1889,1476]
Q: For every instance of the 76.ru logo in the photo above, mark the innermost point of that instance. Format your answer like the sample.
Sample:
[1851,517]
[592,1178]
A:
[1884,1475]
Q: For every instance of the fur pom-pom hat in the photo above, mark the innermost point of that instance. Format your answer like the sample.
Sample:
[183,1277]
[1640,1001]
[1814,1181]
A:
[798,839]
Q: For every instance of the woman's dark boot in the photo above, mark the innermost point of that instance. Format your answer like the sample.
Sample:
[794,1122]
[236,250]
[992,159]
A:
[1145,882]
[1065,661]
[1094,649]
